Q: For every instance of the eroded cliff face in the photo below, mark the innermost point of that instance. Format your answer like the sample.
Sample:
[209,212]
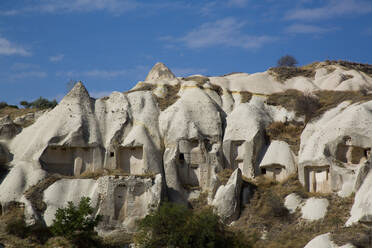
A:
[171,137]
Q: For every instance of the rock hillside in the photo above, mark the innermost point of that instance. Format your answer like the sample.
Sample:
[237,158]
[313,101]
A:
[172,138]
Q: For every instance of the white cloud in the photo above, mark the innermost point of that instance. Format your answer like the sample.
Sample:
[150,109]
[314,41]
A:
[57,6]
[8,48]
[224,32]
[56,58]
[332,8]
[307,29]
[29,74]
[105,73]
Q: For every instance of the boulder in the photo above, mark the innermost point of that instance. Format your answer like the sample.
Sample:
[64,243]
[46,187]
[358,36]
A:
[226,202]
[361,210]
[279,161]
[324,241]
[293,202]
[314,209]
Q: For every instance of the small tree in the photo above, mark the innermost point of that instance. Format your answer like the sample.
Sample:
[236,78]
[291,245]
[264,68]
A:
[288,61]
[74,222]
[174,225]
[25,104]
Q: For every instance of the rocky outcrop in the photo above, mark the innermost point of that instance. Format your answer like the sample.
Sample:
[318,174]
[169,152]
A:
[334,147]
[361,210]
[314,209]
[279,161]
[227,200]
[8,129]
[173,136]
[324,241]
[4,155]
[120,200]
[293,202]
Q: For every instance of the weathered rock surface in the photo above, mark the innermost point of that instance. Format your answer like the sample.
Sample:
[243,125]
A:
[362,207]
[120,200]
[334,147]
[279,161]
[227,200]
[4,154]
[324,241]
[173,136]
[8,129]
[293,202]
[314,209]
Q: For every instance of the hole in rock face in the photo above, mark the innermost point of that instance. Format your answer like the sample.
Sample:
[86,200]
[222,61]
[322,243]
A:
[112,154]
[181,157]
[263,171]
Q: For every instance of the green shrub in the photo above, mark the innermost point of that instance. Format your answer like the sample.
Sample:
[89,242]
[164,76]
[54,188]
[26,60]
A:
[287,60]
[40,103]
[174,225]
[76,222]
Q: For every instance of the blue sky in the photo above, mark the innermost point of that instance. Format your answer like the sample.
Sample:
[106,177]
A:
[112,44]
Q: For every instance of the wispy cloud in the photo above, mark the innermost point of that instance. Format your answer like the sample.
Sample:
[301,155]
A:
[332,8]
[28,74]
[307,29]
[9,48]
[224,32]
[105,73]
[57,6]
[56,58]
[24,66]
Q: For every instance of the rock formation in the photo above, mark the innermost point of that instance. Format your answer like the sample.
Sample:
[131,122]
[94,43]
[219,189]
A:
[169,138]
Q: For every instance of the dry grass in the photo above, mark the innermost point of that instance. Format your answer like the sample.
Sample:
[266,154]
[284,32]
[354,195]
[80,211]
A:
[111,172]
[327,99]
[284,73]
[200,80]
[14,112]
[290,132]
[286,99]
[170,98]
[224,175]
[265,214]
[366,68]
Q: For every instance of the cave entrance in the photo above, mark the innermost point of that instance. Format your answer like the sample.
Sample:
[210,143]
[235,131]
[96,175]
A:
[318,179]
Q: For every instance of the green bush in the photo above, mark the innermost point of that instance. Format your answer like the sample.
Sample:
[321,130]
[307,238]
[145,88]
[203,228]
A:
[174,225]
[287,60]
[76,222]
[40,103]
